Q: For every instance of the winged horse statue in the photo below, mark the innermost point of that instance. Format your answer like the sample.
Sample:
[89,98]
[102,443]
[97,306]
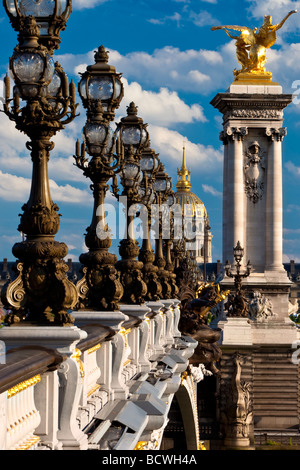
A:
[251,44]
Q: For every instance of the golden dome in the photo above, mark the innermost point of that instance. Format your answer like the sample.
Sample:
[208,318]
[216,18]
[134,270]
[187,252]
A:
[191,204]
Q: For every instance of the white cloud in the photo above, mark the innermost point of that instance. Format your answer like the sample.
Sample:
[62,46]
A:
[168,144]
[168,67]
[176,69]
[84,4]
[211,190]
[162,108]
[292,168]
[278,8]
[17,188]
[70,194]
[286,258]
[204,18]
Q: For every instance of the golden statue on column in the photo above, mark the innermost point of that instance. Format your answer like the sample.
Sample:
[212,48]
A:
[251,46]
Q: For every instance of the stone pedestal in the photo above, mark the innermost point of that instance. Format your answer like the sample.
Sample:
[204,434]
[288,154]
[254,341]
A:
[257,368]
[252,188]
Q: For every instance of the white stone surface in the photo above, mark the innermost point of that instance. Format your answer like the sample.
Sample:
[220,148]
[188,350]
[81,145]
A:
[62,338]
[3,415]
[255,89]
[283,333]
[235,332]
[113,320]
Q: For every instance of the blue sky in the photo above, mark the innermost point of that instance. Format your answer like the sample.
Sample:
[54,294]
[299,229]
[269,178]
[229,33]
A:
[172,66]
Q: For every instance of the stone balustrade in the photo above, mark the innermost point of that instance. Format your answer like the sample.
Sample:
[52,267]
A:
[106,383]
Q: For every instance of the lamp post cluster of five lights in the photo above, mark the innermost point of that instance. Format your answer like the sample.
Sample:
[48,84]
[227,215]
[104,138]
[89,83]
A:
[43,103]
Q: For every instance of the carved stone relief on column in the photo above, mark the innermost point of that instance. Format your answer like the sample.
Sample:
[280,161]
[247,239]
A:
[260,308]
[254,169]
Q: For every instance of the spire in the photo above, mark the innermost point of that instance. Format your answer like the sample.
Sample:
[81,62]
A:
[183,175]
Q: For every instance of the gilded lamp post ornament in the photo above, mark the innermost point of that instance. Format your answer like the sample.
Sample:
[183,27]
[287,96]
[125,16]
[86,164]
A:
[101,91]
[43,103]
[133,137]
[251,46]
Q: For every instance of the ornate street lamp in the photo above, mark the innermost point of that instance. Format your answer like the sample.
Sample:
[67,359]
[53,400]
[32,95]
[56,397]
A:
[42,105]
[149,164]
[51,17]
[162,187]
[170,265]
[100,288]
[237,304]
[133,137]
[238,253]
[101,83]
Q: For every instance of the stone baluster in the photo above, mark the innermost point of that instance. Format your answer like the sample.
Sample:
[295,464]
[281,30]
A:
[168,321]
[3,420]
[47,399]
[139,337]
[156,328]
[22,415]
[176,318]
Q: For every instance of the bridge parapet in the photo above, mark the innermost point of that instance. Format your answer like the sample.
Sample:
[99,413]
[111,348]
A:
[106,383]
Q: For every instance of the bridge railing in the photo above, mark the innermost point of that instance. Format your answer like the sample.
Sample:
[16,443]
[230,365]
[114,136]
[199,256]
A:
[107,382]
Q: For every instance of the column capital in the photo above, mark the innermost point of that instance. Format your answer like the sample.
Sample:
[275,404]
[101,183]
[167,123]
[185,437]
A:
[276,133]
[233,134]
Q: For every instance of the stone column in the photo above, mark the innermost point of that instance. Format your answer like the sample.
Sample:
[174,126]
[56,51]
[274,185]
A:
[274,200]
[252,206]
[224,139]
[235,190]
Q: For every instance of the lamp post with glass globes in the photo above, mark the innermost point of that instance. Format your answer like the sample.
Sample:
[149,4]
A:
[170,265]
[162,188]
[237,305]
[101,92]
[43,103]
[133,137]
[149,165]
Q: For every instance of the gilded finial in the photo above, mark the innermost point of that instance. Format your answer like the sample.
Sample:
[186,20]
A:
[183,175]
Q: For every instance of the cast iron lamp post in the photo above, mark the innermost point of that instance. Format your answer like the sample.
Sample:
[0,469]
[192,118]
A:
[149,164]
[42,104]
[133,136]
[100,288]
[237,305]
[170,265]
[162,188]
[238,253]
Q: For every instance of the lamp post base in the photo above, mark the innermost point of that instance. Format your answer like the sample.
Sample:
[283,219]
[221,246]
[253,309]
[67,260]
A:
[41,292]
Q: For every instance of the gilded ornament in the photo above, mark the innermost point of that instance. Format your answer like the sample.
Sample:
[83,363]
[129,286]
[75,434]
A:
[251,46]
